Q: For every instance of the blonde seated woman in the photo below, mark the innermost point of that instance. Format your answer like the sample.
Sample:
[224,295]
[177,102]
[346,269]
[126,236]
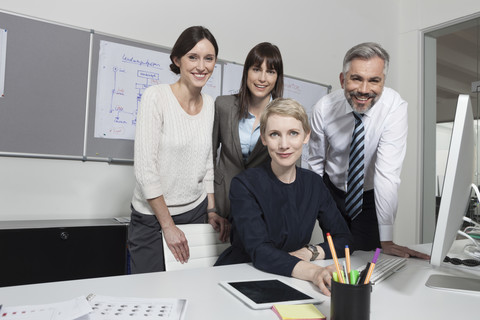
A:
[274,207]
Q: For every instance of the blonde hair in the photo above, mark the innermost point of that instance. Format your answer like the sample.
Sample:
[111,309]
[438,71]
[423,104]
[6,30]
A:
[284,107]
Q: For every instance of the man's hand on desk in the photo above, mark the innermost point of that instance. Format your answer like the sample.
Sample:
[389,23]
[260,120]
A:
[389,247]
[221,225]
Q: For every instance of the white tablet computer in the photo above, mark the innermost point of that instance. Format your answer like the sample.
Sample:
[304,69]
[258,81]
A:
[263,294]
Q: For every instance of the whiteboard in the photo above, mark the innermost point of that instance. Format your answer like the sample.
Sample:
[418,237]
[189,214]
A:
[305,92]
[213,87]
[124,72]
[232,78]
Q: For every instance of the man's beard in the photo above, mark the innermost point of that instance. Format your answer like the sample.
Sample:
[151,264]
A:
[350,95]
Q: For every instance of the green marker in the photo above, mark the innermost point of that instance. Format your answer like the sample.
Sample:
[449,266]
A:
[354,274]
[335,277]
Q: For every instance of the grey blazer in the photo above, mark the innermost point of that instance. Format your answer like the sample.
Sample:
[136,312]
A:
[229,162]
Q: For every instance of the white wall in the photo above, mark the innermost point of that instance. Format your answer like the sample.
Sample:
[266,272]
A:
[313,37]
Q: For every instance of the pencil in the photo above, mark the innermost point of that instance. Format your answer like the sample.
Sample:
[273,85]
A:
[334,256]
[372,266]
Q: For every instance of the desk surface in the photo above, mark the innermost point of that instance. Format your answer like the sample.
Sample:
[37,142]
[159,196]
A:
[37,224]
[403,295]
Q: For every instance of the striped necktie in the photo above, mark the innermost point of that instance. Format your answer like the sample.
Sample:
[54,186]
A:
[354,198]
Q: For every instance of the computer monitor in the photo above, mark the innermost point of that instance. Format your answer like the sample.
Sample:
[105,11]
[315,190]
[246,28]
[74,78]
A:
[456,193]
[457,183]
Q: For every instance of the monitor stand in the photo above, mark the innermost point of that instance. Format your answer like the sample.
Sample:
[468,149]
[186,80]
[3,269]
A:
[452,283]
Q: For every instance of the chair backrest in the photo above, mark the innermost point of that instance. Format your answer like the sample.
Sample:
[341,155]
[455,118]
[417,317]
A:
[317,235]
[205,247]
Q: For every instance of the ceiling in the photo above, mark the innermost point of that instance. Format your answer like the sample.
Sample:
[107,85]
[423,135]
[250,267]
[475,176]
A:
[458,60]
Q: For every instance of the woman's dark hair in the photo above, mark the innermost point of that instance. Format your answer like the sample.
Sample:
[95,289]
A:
[269,53]
[187,40]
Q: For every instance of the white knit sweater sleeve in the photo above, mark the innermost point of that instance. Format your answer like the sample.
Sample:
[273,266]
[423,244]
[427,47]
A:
[148,141]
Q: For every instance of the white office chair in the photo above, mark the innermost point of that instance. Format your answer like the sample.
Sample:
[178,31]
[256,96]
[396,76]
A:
[204,247]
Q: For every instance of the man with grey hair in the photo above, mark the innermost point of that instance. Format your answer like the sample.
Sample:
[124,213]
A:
[358,143]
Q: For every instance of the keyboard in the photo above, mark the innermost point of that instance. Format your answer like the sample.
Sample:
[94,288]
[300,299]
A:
[384,268]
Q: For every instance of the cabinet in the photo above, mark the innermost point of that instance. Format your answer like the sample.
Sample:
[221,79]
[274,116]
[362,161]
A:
[56,250]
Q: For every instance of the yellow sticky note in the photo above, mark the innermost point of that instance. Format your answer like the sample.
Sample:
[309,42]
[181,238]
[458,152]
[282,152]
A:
[298,311]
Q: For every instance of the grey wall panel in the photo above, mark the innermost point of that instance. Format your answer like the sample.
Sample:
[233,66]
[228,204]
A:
[44,105]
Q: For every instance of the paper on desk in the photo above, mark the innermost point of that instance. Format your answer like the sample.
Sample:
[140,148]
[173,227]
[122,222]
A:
[67,310]
[114,308]
[100,308]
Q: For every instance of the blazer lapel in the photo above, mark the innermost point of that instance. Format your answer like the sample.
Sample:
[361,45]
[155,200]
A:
[256,150]
[235,136]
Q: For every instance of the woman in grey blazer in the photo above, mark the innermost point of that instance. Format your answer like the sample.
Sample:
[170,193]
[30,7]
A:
[236,129]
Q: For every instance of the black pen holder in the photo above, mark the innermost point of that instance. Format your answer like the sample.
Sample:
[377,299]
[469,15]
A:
[350,302]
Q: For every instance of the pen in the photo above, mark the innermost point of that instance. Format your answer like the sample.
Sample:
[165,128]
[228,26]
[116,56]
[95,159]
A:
[372,266]
[347,274]
[363,274]
[347,259]
[334,256]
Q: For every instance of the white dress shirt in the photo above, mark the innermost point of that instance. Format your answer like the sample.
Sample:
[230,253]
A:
[248,135]
[385,145]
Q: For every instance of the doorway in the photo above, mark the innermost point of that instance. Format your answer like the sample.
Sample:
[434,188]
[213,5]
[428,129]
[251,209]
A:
[451,67]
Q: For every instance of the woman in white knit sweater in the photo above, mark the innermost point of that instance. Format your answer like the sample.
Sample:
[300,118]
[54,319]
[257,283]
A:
[173,157]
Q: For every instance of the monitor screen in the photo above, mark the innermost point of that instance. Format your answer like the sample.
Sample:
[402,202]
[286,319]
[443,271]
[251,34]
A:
[459,175]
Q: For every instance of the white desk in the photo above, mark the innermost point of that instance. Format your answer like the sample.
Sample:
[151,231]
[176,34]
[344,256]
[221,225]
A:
[402,296]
